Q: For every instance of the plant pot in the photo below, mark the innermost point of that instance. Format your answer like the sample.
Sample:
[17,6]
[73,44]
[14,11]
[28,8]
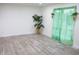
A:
[38,31]
[74,17]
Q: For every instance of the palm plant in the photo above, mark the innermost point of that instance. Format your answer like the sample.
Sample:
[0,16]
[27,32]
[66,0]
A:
[38,23]
[75,15]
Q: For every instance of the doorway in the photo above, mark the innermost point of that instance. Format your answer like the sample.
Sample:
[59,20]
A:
[63,25]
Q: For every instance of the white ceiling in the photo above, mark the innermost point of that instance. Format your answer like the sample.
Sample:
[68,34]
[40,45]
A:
[29,4]
[44,4]
[33,4]
[38,4]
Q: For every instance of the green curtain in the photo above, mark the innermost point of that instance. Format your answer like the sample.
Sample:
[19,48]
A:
[63,24]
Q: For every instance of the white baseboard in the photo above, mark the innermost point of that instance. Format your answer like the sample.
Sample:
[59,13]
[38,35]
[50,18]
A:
[15,34]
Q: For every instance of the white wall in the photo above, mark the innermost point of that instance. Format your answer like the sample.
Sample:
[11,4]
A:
[76,34]
[48,21]
[76,31]
[16,19]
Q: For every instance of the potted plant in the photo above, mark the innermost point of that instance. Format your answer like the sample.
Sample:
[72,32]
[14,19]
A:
[52,14]
[75,15]
[38,23]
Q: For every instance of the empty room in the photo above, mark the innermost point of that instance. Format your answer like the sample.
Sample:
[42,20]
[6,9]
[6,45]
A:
[39,29]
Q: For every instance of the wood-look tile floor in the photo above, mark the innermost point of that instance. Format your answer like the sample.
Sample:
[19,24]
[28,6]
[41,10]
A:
[33,45]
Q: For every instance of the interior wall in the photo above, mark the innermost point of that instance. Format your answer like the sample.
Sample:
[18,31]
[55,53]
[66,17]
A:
[76,31]
[48,21]
[16,19]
